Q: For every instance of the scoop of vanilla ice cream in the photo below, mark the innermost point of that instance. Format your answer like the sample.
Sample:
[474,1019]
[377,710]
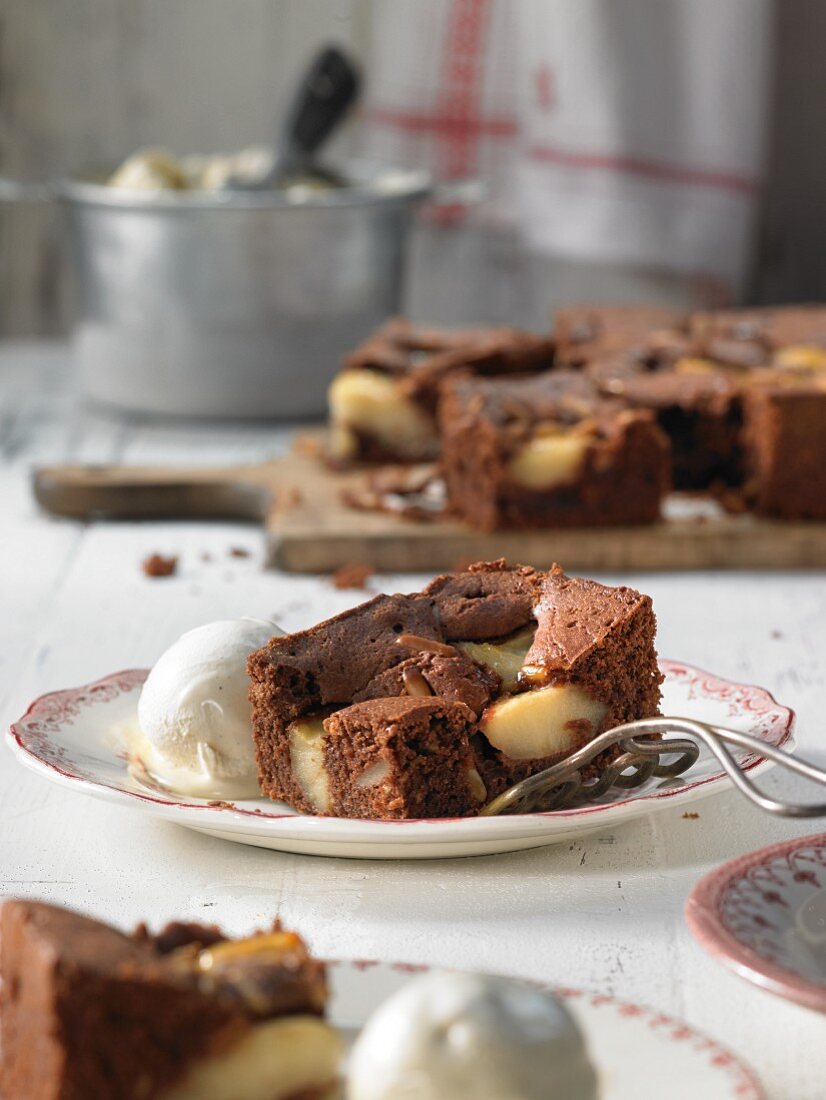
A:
[194,712]
[454,1036]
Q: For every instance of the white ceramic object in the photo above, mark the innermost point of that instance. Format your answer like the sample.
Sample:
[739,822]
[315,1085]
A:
[639,1054]
[78,738]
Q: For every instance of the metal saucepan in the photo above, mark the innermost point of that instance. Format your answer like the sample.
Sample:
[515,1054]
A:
[232,303]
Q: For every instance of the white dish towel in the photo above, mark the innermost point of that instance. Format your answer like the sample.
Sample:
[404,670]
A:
[616,131]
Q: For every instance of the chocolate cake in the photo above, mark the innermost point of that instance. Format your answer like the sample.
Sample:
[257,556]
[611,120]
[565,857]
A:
[549,451]
[739,395]
[88,1012]
[383,403]
[429,705]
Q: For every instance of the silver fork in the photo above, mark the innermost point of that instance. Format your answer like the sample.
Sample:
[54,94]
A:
[642,758]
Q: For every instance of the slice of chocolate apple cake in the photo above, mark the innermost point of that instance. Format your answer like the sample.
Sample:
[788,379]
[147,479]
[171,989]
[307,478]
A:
[431,704]
[89,1012]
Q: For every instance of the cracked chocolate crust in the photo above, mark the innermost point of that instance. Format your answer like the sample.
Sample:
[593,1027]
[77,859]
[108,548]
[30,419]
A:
[583,331]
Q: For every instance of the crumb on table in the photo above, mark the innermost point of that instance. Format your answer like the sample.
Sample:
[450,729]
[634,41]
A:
[157,565]
[352,575]
[690,816]
[239,552]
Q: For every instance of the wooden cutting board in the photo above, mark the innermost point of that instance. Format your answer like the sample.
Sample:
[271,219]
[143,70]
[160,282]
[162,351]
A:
[309,528]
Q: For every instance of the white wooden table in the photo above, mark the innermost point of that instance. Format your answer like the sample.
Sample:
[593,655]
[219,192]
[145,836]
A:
[603,914]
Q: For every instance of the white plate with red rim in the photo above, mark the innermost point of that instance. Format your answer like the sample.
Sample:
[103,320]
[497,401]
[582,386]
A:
[680,1063]
[72,737]
[764,916]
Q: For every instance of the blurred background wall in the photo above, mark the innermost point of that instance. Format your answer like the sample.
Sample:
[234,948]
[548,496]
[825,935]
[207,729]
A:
[90,81]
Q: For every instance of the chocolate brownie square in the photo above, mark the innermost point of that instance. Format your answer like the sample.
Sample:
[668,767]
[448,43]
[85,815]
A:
[429,705]
[383,403]
[654,360]
[775,361]
[784,440]
[87,1011]
[402,757]
[578,658]
[389,647]
[696,403]
[549,451]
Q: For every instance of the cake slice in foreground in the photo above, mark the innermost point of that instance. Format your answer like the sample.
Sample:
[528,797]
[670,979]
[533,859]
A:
[431,704]
[87,1011]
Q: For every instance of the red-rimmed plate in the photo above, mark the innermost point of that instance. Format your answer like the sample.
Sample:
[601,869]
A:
[78,738]
[680,1063]
[764,916]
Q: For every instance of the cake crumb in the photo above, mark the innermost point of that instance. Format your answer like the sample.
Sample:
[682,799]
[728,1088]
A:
[221,804]
[239,552]
[412,492]
[352,575]
[690,816]
[156,565]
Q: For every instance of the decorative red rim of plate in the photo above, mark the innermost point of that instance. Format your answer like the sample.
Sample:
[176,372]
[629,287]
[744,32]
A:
[746,1085]
[705,916]
[32,735]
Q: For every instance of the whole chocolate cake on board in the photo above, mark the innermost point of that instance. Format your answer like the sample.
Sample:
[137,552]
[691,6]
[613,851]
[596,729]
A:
[431,704]
[383,403]
[739,397]
[88,1013]
[549,451]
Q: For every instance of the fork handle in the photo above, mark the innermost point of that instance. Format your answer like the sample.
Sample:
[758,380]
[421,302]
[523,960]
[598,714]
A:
[717,739]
